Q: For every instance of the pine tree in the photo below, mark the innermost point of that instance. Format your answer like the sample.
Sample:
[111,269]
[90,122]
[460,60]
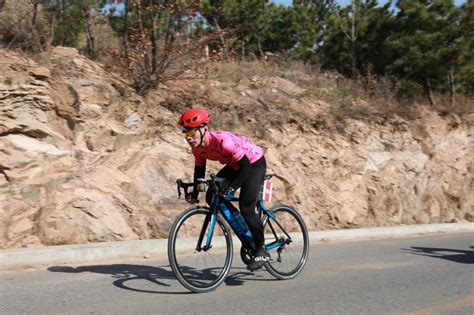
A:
[355,38]
[464,66]
[69,19]
[425,44]
[243,17]
[278,28]
[311,18]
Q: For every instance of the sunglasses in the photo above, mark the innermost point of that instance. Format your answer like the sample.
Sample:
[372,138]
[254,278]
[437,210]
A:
[190,133]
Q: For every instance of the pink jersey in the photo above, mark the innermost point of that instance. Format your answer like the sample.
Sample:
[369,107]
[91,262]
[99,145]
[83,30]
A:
[227,148]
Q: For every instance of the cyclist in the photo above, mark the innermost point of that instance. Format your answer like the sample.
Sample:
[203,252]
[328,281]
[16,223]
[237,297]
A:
[245,168]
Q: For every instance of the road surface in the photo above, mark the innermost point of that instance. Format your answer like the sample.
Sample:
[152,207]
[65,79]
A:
[419,275]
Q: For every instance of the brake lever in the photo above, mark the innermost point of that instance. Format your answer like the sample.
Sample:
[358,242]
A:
[178,183]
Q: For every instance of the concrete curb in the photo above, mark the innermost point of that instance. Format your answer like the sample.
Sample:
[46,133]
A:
[74,254]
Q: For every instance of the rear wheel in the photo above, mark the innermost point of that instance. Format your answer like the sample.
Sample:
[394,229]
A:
[199,269]
[289,250]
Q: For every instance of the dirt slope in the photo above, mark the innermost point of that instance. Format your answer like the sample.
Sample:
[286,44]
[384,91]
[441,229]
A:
[83,159]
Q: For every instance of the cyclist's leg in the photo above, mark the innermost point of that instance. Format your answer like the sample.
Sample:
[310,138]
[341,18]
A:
[249,192]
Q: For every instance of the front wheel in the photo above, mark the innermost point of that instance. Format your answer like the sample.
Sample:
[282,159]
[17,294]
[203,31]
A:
[286,238]
[198,268]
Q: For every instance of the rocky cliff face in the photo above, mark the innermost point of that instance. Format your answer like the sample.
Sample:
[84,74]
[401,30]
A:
[83,159]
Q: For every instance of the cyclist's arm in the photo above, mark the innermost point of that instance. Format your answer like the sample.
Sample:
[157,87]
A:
[243,173]
[199,172]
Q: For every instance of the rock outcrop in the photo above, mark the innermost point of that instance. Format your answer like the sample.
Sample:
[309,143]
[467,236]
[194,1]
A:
[83,159]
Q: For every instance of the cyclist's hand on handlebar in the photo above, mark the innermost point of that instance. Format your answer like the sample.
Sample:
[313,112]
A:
[191,199]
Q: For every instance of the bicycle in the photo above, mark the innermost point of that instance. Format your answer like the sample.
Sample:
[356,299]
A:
[200,246]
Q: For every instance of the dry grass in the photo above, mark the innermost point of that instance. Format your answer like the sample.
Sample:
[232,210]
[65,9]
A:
[462,105]
[371,101]
[17,29]
[235,72]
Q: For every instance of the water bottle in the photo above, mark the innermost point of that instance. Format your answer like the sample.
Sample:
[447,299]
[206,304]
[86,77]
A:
[240,219]
[232,219]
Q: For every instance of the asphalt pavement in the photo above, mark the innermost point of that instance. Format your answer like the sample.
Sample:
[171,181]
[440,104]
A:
[414,275]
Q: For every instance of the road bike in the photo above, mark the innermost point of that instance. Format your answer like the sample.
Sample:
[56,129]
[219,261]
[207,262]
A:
[200,246]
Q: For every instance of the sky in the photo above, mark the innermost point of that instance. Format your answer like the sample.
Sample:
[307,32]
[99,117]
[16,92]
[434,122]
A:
[119,7]
[382,2]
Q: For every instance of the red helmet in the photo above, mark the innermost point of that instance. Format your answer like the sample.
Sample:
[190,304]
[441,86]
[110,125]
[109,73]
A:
[194,118]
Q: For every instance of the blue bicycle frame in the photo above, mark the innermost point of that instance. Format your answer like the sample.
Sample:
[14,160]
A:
[246,239]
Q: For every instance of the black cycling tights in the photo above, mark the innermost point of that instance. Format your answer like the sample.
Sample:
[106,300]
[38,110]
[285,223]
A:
[248,198]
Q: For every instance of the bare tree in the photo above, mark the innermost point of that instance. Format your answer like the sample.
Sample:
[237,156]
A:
[353,39]
[126,13]
[90,12]
[452,87]
[351,35]
[37,31]
[222,38]
[429,91]
[157,44]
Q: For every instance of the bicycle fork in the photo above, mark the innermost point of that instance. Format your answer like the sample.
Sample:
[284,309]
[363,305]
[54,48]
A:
[211,218]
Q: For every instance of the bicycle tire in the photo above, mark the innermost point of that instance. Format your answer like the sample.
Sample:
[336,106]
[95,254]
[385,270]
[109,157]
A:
[182,251]
[292,257]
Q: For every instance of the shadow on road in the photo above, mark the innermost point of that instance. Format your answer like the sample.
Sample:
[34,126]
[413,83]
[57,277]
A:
[124,273]
[160,276]
[455,255]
